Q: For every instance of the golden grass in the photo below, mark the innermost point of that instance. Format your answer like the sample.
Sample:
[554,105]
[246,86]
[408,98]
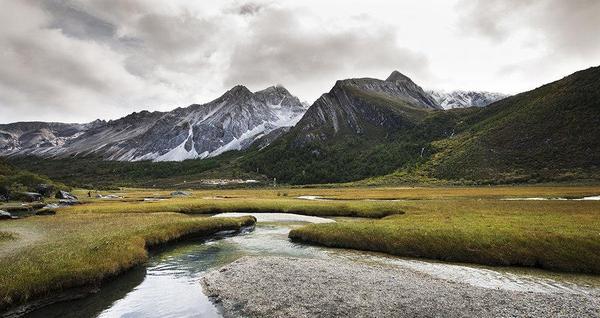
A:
[556,235]
[371,193]
[7,236]
[87,243]
[282,205]
[78,249]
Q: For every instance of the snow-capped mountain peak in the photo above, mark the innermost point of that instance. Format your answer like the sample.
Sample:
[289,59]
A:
[464,99]
[231,122]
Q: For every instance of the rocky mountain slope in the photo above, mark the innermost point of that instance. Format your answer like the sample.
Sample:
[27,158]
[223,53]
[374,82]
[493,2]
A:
[362,127]
[389,129]
[464,99]
[231,122]
[365,127]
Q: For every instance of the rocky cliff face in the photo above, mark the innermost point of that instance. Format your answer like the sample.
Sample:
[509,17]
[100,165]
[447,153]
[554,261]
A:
[364,105]
[231,122]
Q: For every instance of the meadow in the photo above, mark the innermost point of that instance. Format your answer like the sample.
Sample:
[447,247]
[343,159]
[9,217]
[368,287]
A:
[554,235]
[50,254]
[88,243]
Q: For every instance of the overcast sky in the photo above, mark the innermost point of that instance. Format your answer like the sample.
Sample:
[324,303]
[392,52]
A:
[78,60]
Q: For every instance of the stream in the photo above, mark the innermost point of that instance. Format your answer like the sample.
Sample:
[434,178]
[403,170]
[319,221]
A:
[169,284]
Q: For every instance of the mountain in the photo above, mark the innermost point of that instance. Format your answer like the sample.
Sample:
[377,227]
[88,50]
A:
[362,127]
[547,134]
[463,99]
[231,122]
[379,131]
[366,127]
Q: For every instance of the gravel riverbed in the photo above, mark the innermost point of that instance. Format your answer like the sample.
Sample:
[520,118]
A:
[301,287]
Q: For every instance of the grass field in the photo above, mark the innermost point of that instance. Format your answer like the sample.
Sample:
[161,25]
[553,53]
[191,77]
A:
[555,235]
[467,224]
[68,250]
[218,205]
[87,243]
[348,193]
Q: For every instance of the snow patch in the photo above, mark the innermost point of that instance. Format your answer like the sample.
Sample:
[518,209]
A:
[179,153]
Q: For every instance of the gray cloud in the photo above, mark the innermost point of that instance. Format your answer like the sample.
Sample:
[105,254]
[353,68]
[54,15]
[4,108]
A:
[568,27]
[278,49]
[76,60]
[249,8]
[73,21]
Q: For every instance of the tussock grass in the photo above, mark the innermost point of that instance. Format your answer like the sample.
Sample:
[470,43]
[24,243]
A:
[555,235]
[81,249]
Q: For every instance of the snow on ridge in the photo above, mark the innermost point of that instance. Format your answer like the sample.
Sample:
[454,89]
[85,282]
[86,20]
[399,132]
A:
[463,99]
[179,153]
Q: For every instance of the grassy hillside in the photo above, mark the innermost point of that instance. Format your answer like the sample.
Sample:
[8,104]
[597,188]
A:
[545,135]
[96,173]
[548,134]
[14,181]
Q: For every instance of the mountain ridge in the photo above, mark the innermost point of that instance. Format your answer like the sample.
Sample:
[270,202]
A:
[230,122]
[463,98]
[541,135]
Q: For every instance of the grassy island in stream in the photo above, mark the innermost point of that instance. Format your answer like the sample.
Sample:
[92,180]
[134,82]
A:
[555,235]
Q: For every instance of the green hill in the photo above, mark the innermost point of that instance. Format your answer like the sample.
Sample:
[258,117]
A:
[547,134]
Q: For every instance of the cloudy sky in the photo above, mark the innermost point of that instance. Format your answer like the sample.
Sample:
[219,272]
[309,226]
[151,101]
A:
[78,60]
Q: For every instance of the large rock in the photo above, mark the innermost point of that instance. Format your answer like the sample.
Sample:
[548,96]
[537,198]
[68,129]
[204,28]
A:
[5,215]
[64,195]
[180,194]
[45,189]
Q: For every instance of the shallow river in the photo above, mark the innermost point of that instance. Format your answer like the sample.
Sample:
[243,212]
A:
[169,284]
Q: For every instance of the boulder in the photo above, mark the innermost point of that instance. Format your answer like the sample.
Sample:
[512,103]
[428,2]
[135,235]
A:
[45,189]
[180,194]
[68,202]
[5,215]
[65,195]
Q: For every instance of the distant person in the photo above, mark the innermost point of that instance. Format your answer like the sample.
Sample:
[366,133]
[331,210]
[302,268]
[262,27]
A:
[89,194]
